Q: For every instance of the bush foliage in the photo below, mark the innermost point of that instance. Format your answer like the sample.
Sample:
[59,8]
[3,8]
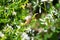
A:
[13,26]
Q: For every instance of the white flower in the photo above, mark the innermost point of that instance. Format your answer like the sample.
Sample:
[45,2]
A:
[28,29]
[9,26]
[42,20]
[45,30]
[32,38]
[43,0]
[41,30]
[29,4]
[40,10]
[45,23]
[49,15]
[14,13]
[18,27]
[28,17]
[51,0]
[55,12]
[53,28]
[13,0]
[34,2]
[1,34]
[25,36]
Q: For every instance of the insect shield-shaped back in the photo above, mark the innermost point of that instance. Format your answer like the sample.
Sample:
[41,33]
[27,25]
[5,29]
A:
[28,19]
